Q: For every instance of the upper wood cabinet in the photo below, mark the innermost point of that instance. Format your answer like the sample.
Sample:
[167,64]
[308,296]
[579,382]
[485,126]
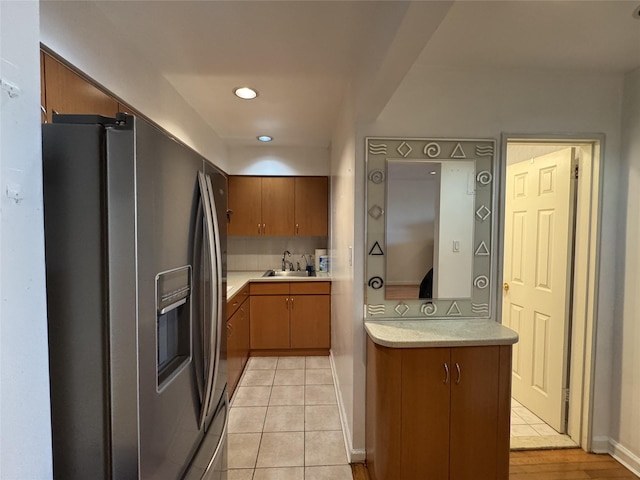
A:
[278,206]
[68,92]
[312,206]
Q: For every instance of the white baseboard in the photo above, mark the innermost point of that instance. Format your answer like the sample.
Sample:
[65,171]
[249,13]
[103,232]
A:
[625,456]
[353,455]
[600,445]
[620,453]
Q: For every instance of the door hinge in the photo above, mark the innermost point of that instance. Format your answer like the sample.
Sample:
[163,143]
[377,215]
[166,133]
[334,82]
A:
[576,171]
[566,394]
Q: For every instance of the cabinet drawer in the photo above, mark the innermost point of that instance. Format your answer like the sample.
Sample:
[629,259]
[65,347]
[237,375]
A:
[269,288]
[310,288]
[236,300]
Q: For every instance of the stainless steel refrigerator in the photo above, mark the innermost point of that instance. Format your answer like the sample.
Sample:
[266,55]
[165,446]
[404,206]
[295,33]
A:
[135,234]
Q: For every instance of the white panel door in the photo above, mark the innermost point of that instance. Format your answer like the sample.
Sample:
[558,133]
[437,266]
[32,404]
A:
[537,265]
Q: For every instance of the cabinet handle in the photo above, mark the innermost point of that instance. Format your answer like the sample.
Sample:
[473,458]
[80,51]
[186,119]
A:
[229,330]
[287,302]
[458,371]
[291,303]
[446,373]
[258,229]
[297,228]
[264,229]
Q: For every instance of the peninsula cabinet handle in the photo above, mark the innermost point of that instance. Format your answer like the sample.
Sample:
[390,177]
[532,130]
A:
[446,373]
[264,229]
[458,371]
[258,229]
[286,300]
[291,303]
[297,228]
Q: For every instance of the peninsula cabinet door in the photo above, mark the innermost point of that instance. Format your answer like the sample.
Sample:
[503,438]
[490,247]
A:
[426,378]
[479,432]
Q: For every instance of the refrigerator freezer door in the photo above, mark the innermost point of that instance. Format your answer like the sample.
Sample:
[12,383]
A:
[210,462]
[161,218]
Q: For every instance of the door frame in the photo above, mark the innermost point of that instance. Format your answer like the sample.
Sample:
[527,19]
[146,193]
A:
[586,275]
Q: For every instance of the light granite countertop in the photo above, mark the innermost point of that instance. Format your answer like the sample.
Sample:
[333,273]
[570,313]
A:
[236,280]
[439,333]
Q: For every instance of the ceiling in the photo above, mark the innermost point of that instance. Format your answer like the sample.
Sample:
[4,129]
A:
[304,56]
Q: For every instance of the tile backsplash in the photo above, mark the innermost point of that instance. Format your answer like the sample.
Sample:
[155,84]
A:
[264,253]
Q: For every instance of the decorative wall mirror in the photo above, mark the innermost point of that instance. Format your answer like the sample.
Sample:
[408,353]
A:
[430,228]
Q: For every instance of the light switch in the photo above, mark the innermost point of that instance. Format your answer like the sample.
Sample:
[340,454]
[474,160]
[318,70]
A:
[456,245]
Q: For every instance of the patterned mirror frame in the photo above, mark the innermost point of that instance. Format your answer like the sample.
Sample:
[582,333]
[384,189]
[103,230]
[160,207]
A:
[480,304]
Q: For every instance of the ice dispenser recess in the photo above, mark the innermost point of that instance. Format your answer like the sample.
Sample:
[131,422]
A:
[173,337]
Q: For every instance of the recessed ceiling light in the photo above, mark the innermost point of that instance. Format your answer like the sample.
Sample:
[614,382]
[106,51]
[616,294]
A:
[264,138]
[245,93]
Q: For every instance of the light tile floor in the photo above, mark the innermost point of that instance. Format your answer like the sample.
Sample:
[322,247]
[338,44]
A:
[284,422]
[528,431]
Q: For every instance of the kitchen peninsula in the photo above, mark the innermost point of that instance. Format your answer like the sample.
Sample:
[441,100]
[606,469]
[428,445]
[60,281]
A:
[438,399]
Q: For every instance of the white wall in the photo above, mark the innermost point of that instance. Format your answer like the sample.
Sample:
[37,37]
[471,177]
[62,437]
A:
[346,246]
[95,48]
[25,434]
[274,160]
[479,103]
[625,414]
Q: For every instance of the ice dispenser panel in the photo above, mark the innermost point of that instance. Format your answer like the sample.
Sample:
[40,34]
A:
[173,337]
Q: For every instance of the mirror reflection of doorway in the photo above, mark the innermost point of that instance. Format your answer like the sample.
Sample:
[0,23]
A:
[540,212]
[430,214]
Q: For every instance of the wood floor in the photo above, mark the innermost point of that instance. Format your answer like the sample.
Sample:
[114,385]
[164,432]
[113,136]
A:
[572,464]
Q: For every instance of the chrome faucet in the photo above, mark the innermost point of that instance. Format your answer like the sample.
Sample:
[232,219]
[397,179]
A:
[285,261]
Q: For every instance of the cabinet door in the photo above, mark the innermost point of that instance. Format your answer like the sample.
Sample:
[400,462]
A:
[310,319]
[269,322]
[425,413]
[277,205]
[67,92]
[312,206]
[474,412]
[233,366]
[245,203]
[243,335]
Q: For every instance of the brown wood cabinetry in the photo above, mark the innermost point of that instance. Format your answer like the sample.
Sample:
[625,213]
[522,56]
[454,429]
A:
[438,412]
[278,206]
[237,336]
[64,91]
[312,206]
[290,317]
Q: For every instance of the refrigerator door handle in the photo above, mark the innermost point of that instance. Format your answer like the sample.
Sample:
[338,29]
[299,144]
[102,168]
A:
[208,354]
[218,286]
[199,347]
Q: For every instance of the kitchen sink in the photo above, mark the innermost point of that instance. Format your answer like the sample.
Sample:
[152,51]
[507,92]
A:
[287,273]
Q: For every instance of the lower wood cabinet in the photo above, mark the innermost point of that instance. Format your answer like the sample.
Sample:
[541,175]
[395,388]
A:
[291,317]
[237,337]
[440,413]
